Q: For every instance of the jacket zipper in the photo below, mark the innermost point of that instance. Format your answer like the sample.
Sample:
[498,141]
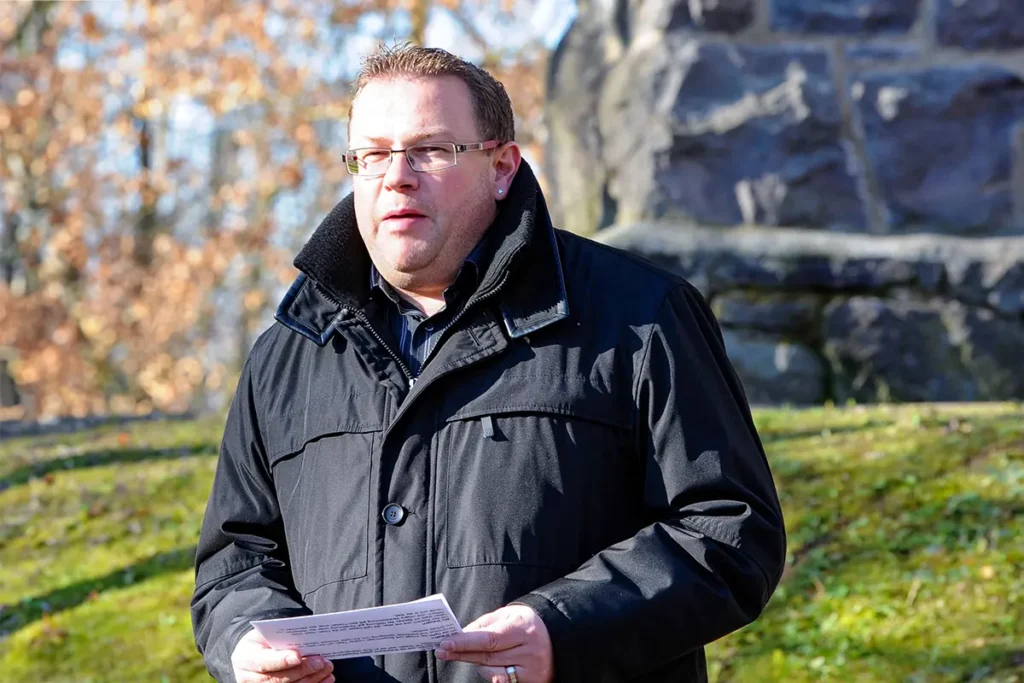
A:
[452,323]
[380,340]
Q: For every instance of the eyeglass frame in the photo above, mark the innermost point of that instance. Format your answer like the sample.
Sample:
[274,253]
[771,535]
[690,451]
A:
[457,147]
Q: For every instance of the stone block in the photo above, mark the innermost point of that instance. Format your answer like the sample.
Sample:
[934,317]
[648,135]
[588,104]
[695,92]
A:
[872,53]
[727,134]
[661,16]
[998,284]
[992,348]
[576,72]
[727,16]
[789,315]
[885,350]
[844,16]
[980,24]
[986,271]
[910,317]
[773,371]
[808,271]
[940,142]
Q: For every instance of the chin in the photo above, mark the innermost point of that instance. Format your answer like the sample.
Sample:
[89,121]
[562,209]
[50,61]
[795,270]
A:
[409,260]
[403,274]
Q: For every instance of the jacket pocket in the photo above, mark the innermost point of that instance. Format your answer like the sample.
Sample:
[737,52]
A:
[534,485]
[321,459]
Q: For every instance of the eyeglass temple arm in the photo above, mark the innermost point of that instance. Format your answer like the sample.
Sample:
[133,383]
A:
[477,146]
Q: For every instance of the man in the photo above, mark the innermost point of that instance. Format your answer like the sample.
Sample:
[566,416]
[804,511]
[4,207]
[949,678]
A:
[459,399]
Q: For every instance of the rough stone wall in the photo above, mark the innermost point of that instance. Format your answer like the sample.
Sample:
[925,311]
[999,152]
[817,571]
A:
[843,179]
[877,116]
[815,316]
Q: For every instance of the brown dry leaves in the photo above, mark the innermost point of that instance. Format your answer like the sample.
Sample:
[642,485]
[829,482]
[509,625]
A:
[107,289]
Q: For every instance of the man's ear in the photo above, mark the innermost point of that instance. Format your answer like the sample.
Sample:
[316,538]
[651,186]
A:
[506,163]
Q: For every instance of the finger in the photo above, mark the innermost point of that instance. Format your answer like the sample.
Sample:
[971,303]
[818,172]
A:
[319,677]
[486,641]
[496,674]
[314,667]
[268,661]
[500,658]
[485,620]
[286,676]
[306,673]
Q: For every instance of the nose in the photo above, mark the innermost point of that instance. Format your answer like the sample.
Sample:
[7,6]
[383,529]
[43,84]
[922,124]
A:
[400,174]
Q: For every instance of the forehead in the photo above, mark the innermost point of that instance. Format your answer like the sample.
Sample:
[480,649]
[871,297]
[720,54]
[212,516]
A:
[398,109]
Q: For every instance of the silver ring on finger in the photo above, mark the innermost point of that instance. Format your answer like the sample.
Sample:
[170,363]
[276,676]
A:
[512,677]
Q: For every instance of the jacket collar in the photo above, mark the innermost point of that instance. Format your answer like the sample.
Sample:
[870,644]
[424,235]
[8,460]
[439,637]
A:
[523,260]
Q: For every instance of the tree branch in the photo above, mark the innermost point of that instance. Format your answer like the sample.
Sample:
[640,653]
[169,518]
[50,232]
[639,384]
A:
[36,9]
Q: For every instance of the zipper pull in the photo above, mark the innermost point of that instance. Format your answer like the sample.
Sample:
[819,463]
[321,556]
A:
[412,382]
[488,423]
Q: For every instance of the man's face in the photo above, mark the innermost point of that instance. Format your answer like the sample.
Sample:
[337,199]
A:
[455,205]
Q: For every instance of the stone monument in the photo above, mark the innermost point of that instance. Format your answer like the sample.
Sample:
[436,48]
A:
[843,179]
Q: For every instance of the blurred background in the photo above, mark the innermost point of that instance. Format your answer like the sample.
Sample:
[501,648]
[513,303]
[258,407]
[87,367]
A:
[842,179]
[162,162]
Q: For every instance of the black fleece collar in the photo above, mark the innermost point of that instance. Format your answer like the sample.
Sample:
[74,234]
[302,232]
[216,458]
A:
[335,267]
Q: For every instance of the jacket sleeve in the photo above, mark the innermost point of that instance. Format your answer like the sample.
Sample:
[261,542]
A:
[709,563]
[242,570]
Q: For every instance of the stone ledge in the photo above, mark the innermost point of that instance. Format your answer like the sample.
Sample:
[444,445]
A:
[809,316]
[982,271]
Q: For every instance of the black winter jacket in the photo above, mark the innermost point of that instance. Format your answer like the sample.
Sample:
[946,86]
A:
[578,442]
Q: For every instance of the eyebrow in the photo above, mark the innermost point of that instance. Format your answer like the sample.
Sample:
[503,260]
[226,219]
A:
[416,139]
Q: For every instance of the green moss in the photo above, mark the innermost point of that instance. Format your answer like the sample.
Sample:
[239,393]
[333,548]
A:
[906,529]
[140,633]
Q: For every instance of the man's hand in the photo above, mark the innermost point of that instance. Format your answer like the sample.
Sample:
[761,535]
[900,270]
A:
[511,636]
[254,661]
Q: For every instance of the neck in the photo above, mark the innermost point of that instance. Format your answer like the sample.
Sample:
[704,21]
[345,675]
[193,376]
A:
[429,301]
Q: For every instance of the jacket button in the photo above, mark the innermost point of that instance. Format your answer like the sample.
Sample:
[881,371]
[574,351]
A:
[393,514]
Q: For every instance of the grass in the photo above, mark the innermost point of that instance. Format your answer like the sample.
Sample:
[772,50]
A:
[906,539]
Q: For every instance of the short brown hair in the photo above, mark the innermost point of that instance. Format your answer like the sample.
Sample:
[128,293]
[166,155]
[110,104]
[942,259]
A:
[491,104]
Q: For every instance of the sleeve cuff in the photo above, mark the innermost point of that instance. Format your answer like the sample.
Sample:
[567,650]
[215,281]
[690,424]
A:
[563,642]
[219,665]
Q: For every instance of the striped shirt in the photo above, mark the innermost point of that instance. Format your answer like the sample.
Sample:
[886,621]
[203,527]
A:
[416,333]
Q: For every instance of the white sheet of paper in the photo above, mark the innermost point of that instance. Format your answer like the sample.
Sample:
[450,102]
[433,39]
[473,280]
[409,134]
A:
[407,627]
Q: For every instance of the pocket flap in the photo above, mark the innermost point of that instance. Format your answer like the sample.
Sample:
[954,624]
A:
[571,396]
[351,413]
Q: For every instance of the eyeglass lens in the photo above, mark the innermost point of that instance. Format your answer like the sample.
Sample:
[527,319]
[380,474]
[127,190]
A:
[427,157]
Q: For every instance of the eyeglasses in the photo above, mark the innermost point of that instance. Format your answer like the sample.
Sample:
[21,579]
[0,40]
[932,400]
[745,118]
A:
[426,157]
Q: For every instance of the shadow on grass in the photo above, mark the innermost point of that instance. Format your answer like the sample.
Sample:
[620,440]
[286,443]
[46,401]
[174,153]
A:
[887,489]
[770,437]
[18,615]
[100,458]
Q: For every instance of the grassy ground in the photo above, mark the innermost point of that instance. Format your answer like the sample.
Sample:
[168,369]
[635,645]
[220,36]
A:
[906,529]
